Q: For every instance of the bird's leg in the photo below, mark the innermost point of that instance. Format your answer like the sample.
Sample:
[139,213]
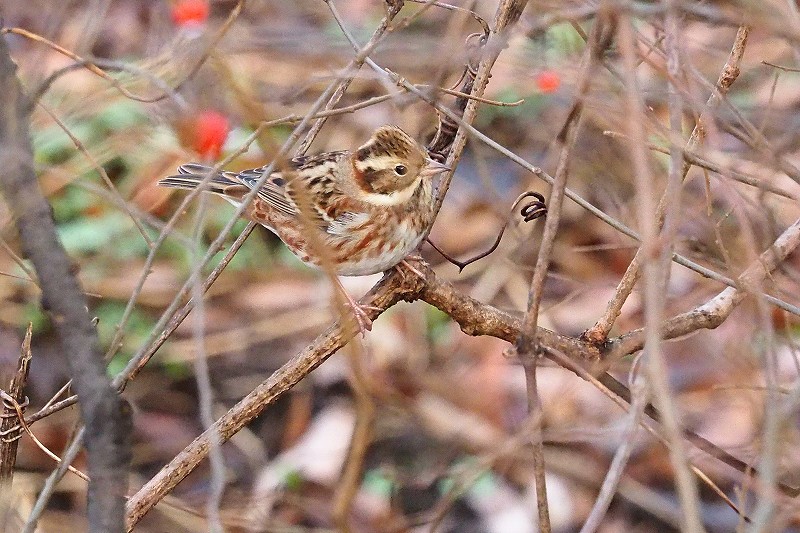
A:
[359,311]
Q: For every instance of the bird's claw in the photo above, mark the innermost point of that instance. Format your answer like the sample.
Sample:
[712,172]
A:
[362,318]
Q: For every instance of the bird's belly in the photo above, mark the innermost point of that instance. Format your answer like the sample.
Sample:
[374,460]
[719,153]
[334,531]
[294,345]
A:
[365,266]
[359,254]
[378,255]
[367,250]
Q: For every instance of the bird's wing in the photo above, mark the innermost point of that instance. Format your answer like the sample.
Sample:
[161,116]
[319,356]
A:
[273,191]
[347,223]
[305,175]
[191,175]
[308,180]
[311,181]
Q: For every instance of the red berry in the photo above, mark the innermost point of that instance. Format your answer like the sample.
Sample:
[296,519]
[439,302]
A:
[211,130]
[190,12]
[548,81]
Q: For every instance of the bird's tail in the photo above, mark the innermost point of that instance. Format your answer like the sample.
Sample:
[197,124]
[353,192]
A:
[191,175]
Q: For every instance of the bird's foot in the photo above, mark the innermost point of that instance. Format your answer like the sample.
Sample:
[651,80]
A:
[360,312]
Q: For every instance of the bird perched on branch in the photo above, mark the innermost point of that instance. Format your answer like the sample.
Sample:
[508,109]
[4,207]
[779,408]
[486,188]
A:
[357,213]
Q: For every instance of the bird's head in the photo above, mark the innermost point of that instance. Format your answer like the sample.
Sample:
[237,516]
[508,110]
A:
[391,163]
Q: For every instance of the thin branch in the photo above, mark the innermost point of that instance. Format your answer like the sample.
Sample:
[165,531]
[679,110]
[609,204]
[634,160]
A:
[715,311]
[527,345]
[608,489]
[473,317]
[118,199]
[730,71]
[363,433]
[172,317]
[697,159]
[333,339]
[19,262]
[572,195]
[656,251]
[11,404]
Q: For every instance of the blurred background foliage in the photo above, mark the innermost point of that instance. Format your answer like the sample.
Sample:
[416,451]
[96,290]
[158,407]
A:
[445,441]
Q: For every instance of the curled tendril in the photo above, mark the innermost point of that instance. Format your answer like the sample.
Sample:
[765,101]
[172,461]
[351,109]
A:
[446,132]
[10,405]
[438,157]
[530,210]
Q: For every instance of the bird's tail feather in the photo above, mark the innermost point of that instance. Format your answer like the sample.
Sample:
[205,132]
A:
[192,174]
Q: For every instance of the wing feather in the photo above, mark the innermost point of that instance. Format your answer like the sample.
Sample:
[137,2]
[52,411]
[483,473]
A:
[283,190]
[346,223]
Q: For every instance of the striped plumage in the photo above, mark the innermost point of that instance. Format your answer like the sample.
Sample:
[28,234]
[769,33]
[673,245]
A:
[360,212]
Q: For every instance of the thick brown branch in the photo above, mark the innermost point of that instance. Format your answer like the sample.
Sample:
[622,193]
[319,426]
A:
[474,318]
[102,410]
[386,293]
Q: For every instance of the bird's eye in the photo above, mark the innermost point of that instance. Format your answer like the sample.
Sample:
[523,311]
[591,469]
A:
[400,170]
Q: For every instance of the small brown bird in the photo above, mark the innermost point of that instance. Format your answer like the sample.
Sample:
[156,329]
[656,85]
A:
[360,212]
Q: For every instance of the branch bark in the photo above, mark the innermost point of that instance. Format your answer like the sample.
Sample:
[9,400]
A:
[105,414]
[10,429]
[474,318]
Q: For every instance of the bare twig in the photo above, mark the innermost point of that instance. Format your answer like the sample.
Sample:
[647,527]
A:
[730,71]
[19,262]
[9,426]
[205,392]
[79,63]
[572,195]
[366,412]
[14,433]
[386,293]
[697,159]
[344,82]
[473,317]
[100,170]
[639,391]
[714,312]
[159,486]
[527,344]
[655,252]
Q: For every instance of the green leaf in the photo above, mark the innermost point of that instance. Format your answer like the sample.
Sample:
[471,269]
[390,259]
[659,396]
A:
[293,480]
[35,315]
[71,203]
[376,482]
[86,235]
[121,115]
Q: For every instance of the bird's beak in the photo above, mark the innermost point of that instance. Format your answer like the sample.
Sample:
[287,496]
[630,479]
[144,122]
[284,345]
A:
[432,168]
